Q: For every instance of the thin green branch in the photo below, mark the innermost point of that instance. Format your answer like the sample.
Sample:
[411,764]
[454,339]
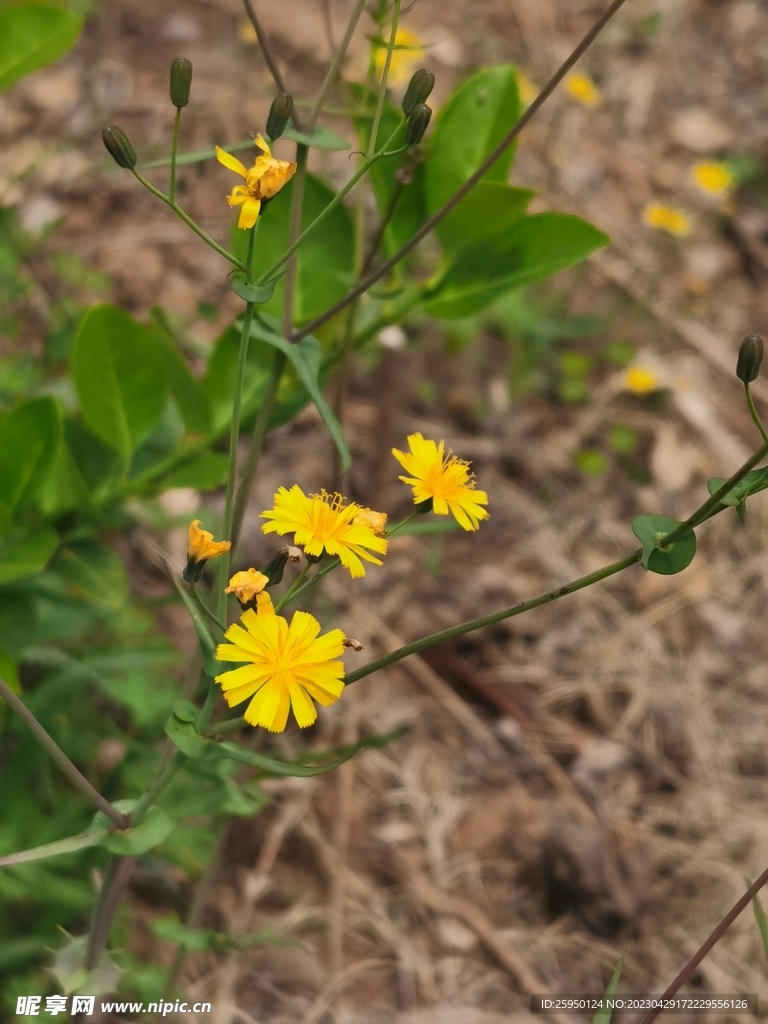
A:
[189,222]
[174,147]
[456,198]
[73,773]
[269,60]
[383,84]
[293,589]
[163,778]
[753,411]
[113,889]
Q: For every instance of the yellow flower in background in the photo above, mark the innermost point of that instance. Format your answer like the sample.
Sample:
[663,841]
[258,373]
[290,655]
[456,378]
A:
[641,381]
[713,178]
[323,523]
[674,222]
[376,520]
[202,547]
[408,51]
[527,88]
[263,181]
[443,479]
[246,585]
[286,666]
[583,90]
[247,32]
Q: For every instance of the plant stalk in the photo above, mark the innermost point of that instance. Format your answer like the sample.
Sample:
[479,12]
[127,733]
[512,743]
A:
[753,411]
[112,891]
[174,146]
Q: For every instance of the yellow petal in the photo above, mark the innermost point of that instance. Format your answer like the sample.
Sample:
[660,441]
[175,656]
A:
[261,144]
[230,162]
[249,213]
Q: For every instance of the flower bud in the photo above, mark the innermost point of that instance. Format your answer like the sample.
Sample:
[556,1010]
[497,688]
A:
[274,570]
[417,123]
[119,147]
[419,88]
[750,357]
[181,81]
[279,115]
[423,507]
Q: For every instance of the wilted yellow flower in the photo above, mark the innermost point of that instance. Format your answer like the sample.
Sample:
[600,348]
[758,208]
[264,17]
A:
[584,90]
[246,585]
[713,178]
[287,666]
[264,180]
[202,547]
[322,522]
[443,479]
[674,222]
[641,381]
[408,51]
[528,89]
[376,520]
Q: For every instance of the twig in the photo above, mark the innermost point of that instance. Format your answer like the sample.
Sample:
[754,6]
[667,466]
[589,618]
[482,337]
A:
[435,219]
[73,773]
[269,60]
[112,891]
[715,935]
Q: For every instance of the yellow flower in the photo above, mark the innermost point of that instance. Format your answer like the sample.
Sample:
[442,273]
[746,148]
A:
[246,585]
[202,547]
[263,181]
[407,52]
[376,520]
[584,90]
[247,32]
[527,88]
[712,178]
[641,381]
[443,479]
[286,666]
[322,522]
[674,222]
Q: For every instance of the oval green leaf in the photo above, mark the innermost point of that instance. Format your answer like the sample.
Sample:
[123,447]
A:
[667,561]
[33,35]
[30,438]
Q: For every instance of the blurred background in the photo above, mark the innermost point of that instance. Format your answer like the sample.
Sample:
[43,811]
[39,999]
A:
[583,782]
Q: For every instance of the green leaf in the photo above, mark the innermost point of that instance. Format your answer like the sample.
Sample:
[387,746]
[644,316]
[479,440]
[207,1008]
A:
[207,646]
[325,259]
[604,1016]
[119,373]
[68,970]
[533,247]
[667,561]
[410,209]
[490,209]
[258,294]
[756,480]
[25,554]
[205,473]
[471,124]
[92,571]
[305,358]
[186,389]
[131,842]
[319,138]
[189,742]
[33,35]
[762,923]
[30,439]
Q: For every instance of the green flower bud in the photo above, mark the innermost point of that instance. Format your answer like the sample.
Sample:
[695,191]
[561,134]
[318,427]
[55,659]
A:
[279,115]
[419,88]
[750,357]
[417,123]
[119,147]
[274,569]
[423,507]
[181,81]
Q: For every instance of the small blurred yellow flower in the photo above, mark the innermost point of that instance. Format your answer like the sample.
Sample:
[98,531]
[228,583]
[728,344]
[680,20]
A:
[674,222]
[322,522]
[641,381]
[202,547]
[527,88]
[376,520]
[247,32]
[408,51]
[263,181]
[246,585]
[713,178]
[584,90]
[444,480]
[286,666]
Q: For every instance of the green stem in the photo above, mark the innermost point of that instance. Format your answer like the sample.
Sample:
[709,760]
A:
[116,880]
[486,620]
[174,146]
[384,77]
[189,222]
[73,774]
[333,564]
[294,230]
[293,589]
[753,412]
[225,726]
[205,609]
[164,777]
